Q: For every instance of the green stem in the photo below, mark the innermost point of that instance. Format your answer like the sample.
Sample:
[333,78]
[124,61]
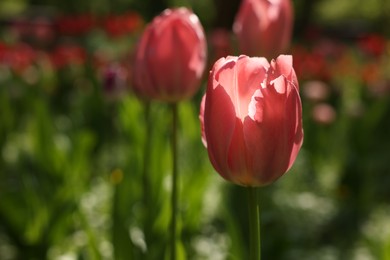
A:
[254,224]
[175,177]
[145,173]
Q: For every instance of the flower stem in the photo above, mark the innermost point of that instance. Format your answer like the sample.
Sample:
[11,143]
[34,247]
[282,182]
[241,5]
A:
[175,177]
[254,224]
[145,173]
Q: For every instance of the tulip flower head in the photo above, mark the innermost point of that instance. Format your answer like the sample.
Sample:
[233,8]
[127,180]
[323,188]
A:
[251,119]
[170,57]
[264,27]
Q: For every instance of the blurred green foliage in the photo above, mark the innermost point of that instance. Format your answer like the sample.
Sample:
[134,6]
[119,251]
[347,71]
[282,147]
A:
[78,163]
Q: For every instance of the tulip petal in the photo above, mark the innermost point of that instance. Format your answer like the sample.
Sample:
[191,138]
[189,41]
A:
[283,65]
[240,78]
[276,139]
[250,74]
[259,143]
[161,54]
[225,73]
[184,37]
[219,125]
[143,82]
[237,157]
[296,118]
[255,111]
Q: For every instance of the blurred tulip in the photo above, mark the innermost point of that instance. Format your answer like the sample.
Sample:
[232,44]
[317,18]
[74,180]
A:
[68,54]
[43,31]
[324,114]
[373,44]
[316,90]
[120,25]
[19,57]
[330,49]
[3,49]
[170,57]
[309,65]
[251,118]
[76,25]
[264,27]
[110,78]
[114,81]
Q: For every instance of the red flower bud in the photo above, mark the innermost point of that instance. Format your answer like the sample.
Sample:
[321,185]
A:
[264,27]
[170,57]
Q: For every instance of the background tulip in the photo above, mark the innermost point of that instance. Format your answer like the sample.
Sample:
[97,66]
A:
[171,57]
[264,27]
[251,119]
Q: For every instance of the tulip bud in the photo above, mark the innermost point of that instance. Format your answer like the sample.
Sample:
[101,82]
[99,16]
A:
[251,118]
[170,57]
[264,27]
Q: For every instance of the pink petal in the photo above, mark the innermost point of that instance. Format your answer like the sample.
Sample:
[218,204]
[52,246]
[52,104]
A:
[276,139]
[219,124]
[283,65]
[251,72]
[237,157]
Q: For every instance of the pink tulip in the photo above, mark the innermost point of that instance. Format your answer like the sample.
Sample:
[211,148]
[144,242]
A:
[264,27]
[251,118]
[170,57]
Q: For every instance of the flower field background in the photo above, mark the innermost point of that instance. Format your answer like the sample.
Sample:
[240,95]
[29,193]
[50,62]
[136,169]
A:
[73,138]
